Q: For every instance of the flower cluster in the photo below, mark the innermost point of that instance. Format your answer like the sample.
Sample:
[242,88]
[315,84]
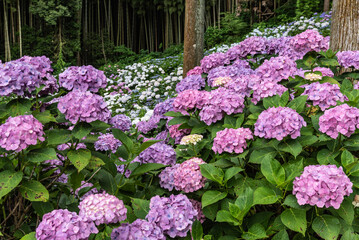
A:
[263,89]
[276,69]
[340,119]
[249,46]
[312,77]
[63,224]
[195,71]
[198,207]
[167,177]
[107,142]
[191,139]
[102,208]
[279,122]
[195,82]
[325,71]
[349,59]
[121,168]
[214,60]
[121,122]
[188,177]
[174,215]
[188,100]
[322,185]
[221,81]
[91,191]
[177,134]
[158,153]
[84,78]
[231,140]
[17,133]
[138,230]
[83,106]
[323,95]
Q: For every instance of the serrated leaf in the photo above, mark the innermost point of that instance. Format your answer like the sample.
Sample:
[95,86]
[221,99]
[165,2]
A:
[261,155]
[140,207]
[41,155]
[197,230]
[281,235]
[18,107]
[34,191]
[211,172]
[346,211]
[295,219]
[58,136]
[29,236]
[225,216]
[81,130]
[8,181]
[265,195]
[298,104]
[256,231]
[327,227]
[79,158]
[125,140]
[44,117]
[292,146]
[95,163]
[107,181]
[273,171]
[147,144]
[145,168]
[231,172]
[212,196]
[173,114]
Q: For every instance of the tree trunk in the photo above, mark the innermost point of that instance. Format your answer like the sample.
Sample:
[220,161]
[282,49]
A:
[200,11]
[19,20]
[345,24]
[326,5]
[6,33]
[78,53]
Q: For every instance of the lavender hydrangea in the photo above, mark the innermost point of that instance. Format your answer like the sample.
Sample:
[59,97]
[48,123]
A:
[325,71]
[279,122]
[340,119]
[188,177]
[323,95]
[195,82]
[138,230]
[214,60]
[122,122]
[17,133]
[198,207]
[263,89]
[102,208]
[107,142]
[84,78]
[174,215]
[348,59]
[231,140]
[249,46]
[189,100]
[163,107]
[166,177]
[63,224]
[121,168]
[83,106]
[322,185]
[195,71]
[158,153]
[176,133]
[147,126]
[276,69]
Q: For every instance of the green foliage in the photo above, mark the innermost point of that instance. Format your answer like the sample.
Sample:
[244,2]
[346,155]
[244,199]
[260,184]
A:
[308,7]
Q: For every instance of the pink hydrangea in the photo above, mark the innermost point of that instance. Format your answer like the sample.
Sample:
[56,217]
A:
[188,177]
[198,207]
[138,230]
[214,60]
[231,140]
[279,122]
[83,106]
[340,119]
[167,178]
[348,59]
[276,69]
[323,95]
[263,89]
[91,191]
[250,46]
[107,142]
[102,208]
[17,133]
[326,72]
[322,185]
[189,100]
[176,133]
[195,71]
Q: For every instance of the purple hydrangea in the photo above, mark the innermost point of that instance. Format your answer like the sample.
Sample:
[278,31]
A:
[198,207]
[195,71]
[263,89]
[214,60]
[147,126]
[55,163]
[102,208]
[84,78]
[188,177]
[250,46]
[17,133]
[107,142]
[122,122]
[325,71]
[63,224]
[167,178]
[174,215]
[83,106]
[279,122]
[348,59]
[231,140]
[322,185]
[240,85]
[138,230]
[121,168]
[176,133]
[189,100]
[276,69]
[340,119]
[323,95]
[163,107]
[195,82]
[158,153]
[84,185]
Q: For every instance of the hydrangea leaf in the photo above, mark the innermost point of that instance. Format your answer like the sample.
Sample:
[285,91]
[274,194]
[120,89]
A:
[212,196]
[80,158]
[295,219]
[273,171]
[145,168]
[291,146]
[266,195]
[41,155]
[44,117]
[81,130]
[225,216]
[141,207]
[58,136]
[256,231]
[346,211]
[197,230]
[34,191]
[8,181]
[213,173]
[262,155]
[298,104]
[107,181]
[327,227]
[120,135]
[281,235]
[29,236]
[18,107]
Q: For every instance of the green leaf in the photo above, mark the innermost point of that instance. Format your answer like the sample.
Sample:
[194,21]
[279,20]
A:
[212,196]
[211,172]
[197,230]
[34,191]
[18,107]
[147,144]
[298,104]
[41,155]
[346,211]
[329,62]
[173,114]
[349,163]
[44,117]
[281,235]
[292,202]
[273,171]
[79,158]
[307,140]
[284,99]
[95,163]
[266,195]
[273,101]
[240,120]
[107,181]
[117,133]
[350,235]
[81,130]
[329,80]
[58,136]
[145,168]
[210,211]
[256,231]
[99,126]
[291,146]
[231,172]
[178,120]
[42,208]
[325,157]
[295,219]
[8,181]
[225,216]
[29,236]
[262,155]
[244,201]
[141,207]
[293,169]
[327,227]
[230,121]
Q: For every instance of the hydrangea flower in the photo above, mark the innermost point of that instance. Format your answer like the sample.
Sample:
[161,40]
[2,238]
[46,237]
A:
[84,78]
[231,140]
[191,139]
[55,163]
[122,122]
[279,122]
[340,119]
[312,77]
[325,71]
[17,133]
[158,153]
[138,230]
[84,185]
[102,208]
[162,108]
[263,89]
[166,177]
[249,46]
[188,177]
[121,168]
[188,100]
[195,71]
[323,95]
[322,185]
[348,59]
[276,69]
[214,60]
[177,134]
[107,142]
[83,106]
[147,126]
[198,207]
[195,82]
[63,224]
[309,40]
[221,81]
[174,215]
